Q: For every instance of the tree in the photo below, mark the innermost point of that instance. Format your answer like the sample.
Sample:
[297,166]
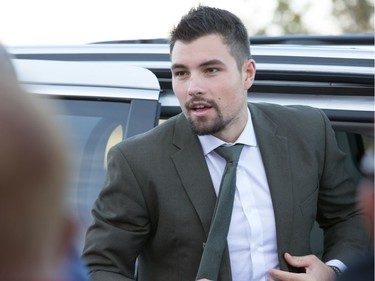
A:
[354,16]
[350,16]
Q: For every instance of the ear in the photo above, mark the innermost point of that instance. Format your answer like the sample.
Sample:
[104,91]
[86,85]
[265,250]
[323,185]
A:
[249,69]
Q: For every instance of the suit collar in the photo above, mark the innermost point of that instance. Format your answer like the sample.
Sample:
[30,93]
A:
[247,137]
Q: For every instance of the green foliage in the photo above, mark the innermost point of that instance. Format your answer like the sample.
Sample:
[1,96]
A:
[350,16]
[355,16]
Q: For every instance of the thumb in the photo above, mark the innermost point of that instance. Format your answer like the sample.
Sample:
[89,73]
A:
[296,261]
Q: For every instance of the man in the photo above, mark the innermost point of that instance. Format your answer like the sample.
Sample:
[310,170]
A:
[36,230]
[159,197]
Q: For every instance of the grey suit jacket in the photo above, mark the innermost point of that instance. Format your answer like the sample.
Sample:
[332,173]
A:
[158,197]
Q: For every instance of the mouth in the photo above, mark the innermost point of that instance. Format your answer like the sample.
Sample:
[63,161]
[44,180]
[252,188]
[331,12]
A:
[199,107]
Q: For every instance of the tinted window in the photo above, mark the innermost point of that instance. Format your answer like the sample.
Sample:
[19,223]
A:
[93,127]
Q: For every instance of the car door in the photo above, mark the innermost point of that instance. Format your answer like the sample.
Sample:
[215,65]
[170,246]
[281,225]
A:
[97,105]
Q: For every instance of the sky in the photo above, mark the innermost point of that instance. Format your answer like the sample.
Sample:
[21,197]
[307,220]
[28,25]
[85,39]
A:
[69,22]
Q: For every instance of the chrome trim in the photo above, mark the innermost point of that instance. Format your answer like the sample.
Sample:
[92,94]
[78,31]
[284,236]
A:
[350,103]
[298,53]
[288,68]
[92,92]
[321,68]
[327,51]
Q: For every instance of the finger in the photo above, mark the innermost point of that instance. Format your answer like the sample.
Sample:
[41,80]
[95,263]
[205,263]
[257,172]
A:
[298,261]
[269,278]
[276,274]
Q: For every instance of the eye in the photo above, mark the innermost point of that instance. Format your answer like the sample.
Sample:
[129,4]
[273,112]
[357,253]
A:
[180,73]
[212,70]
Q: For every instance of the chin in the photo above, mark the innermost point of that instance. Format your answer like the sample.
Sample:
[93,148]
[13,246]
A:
[205,128]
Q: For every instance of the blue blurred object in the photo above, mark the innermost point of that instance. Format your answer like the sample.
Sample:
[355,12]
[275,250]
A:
[74,268]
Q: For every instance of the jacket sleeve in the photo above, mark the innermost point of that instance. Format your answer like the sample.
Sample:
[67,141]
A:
[120,227]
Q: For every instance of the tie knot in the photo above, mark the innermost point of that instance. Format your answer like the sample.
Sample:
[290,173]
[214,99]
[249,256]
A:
[230,153]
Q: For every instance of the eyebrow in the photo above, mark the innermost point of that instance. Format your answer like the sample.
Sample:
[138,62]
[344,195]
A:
[177,65]
[204,64]
[212,62]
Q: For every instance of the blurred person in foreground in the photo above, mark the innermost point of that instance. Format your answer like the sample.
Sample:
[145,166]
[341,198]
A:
[362,268]
[161,189]
[36,230]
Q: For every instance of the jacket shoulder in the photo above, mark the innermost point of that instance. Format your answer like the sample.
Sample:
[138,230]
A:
[289,114]
[155,136]
[271,108]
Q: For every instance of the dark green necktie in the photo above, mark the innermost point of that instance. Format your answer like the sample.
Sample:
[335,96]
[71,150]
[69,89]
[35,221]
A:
[217,237]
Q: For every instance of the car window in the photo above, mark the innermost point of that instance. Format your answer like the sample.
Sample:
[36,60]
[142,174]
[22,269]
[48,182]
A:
[93,127]
[97,111]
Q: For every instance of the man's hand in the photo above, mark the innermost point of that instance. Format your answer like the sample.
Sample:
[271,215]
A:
[316,270]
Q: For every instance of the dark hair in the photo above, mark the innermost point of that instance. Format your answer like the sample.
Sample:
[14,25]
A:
[205,20]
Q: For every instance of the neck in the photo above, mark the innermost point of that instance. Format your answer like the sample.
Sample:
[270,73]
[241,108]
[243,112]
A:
[234,129]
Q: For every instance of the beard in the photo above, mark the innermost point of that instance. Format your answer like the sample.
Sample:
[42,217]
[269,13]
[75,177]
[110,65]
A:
[205,126]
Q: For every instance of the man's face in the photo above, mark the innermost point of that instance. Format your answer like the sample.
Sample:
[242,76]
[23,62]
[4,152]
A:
[211,90]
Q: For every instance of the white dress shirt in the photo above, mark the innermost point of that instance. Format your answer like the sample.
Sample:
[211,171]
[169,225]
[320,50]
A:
[252,232]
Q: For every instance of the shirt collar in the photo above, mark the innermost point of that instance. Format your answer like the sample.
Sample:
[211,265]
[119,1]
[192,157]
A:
[247,137]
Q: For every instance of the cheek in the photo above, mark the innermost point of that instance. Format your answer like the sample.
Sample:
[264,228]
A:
[180,94]
[231,95]
[178,90]
[180,97]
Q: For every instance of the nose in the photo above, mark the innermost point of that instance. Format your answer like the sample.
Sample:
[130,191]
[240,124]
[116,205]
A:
[195,86]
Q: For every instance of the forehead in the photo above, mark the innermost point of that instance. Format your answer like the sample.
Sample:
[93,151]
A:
[209,47]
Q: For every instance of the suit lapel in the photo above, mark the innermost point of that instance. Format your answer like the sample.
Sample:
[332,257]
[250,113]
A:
[195,176]
[193,171]
[273,145]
